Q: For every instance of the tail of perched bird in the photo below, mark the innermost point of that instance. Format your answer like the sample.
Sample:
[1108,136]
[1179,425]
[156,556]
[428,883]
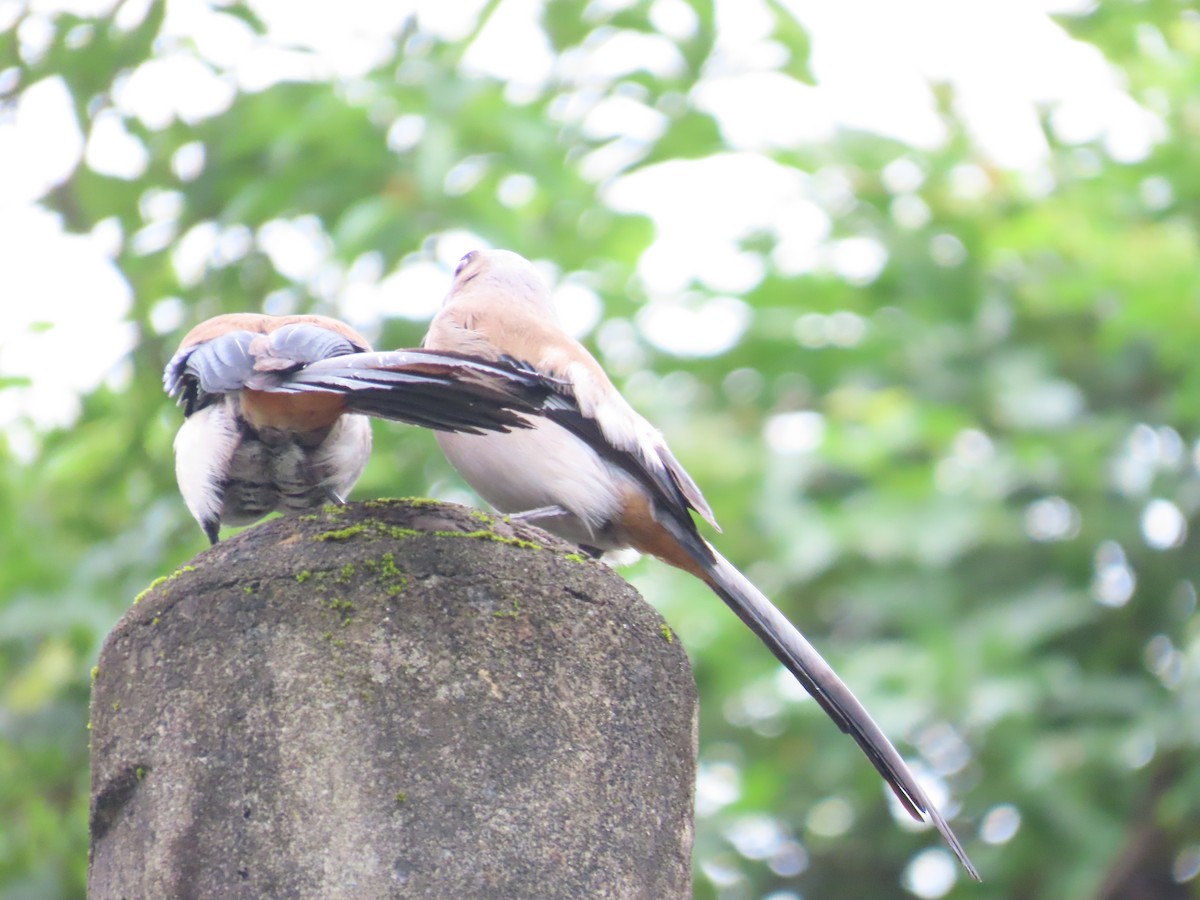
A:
[596,472]
[655,518]
[275,409]
[804,662]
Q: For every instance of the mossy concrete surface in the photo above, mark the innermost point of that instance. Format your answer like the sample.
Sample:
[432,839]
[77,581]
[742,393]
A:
[394,699]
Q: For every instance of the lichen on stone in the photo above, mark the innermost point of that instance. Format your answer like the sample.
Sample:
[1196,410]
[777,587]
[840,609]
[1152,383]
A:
[508,613]
[342,534]
[161,580]
[488,535]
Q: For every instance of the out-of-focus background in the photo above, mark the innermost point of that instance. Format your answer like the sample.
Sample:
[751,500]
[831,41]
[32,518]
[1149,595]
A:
[912,288]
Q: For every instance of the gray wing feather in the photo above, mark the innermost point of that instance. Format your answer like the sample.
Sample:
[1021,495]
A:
[198,374]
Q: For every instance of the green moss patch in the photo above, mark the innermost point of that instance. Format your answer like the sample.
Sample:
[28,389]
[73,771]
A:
[161,580]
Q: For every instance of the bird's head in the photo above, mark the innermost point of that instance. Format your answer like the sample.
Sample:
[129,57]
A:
[501,276]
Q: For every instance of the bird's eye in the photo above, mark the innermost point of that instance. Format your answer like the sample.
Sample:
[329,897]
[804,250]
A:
[463,263]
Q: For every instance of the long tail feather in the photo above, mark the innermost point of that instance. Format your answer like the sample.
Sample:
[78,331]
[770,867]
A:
[811,670]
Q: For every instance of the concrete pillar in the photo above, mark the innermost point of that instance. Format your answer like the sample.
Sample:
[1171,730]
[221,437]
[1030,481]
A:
[396,699]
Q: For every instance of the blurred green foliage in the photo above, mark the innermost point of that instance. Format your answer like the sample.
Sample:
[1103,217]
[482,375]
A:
[949,475]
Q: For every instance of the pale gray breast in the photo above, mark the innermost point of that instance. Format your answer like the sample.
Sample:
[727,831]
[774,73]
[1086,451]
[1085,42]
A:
[542,466]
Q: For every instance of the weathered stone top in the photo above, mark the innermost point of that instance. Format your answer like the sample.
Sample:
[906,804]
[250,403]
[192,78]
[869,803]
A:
[397,698]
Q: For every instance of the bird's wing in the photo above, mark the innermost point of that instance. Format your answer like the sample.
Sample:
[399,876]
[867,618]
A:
[597,413]
[239,359]
[440,390]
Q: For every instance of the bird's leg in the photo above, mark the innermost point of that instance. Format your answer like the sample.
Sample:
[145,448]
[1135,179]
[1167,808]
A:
[542,512]
[552,512]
